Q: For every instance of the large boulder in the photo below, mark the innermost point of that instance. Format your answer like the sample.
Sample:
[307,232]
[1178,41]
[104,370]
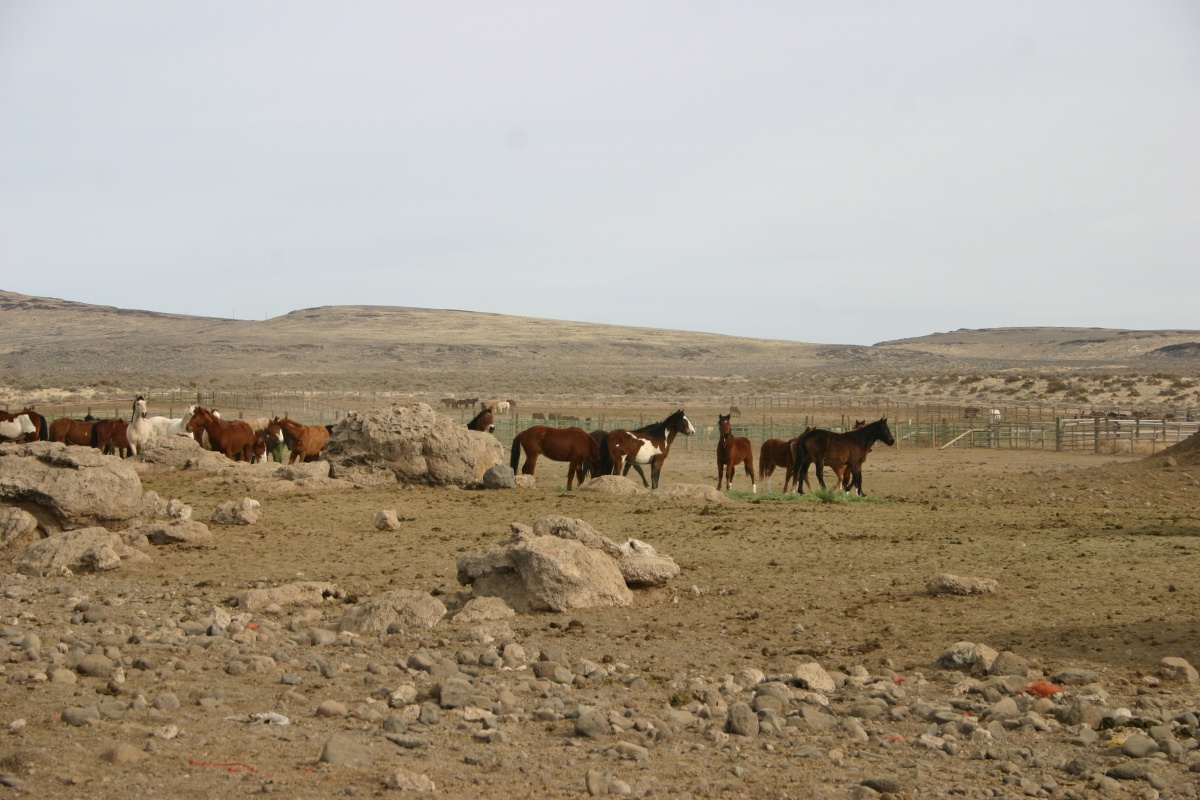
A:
[78,486]
[409,444]
[642,565]
[86,550]
[181,452]
[18,528]
[405,607]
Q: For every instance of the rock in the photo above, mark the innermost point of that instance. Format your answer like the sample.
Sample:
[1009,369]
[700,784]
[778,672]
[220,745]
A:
[18,528]
[239,512]
[612,484]
[1178,669]
[386,520]
[813,676]
[409,608]
[592,724]
[1075,677]
[968,654]
[643,566]
[526,482]
[344,751]
[742,720]
[179,531]
[331,708]
[409,444]
[1139,746]
[95,665]
[300,593]
[78,716]
[180,453]
[87,550]
[124,754]
[688,491]
[547,574]
[484,609]
[945,583]
[303,471]
[597,783]
[177,509]
[79,487]
[578,530]
[410,782]
[500,476]
[1009,663]
[889,784]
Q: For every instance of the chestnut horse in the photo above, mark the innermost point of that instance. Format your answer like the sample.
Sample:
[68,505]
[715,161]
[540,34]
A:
[484,421]
[777,453]
[234,438]
[731,451]
[605,466]
[305,441]
[111,436]
[572,445]
[849,449]
[72,431]
[649,444]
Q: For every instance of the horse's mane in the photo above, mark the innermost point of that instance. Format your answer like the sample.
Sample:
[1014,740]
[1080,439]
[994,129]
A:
[475,419]
[659,428]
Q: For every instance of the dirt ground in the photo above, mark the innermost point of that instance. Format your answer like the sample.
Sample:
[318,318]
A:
[1098,560]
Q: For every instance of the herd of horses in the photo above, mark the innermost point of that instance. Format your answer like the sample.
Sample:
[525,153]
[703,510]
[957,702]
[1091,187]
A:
[239,439]
[616,452]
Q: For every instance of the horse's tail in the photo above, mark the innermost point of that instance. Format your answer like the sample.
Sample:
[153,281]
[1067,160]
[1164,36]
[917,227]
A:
[762,462]
[515,458]
[799,462]
[95,440]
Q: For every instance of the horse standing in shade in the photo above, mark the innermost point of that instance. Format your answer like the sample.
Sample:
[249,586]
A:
[849,449]
[731,451]
[304,441]
[484,421]
[235,438]
[650,444]
[572,445]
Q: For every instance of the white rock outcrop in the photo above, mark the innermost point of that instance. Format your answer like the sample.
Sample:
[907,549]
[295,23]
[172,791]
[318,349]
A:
[80,487]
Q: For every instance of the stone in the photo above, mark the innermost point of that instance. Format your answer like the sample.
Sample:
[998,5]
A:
[592,724]
[18,528]
[500,476]
[80,487]
[406,607]
[1173,668]
[237,512]
[409,444]
[86,550]
[813,676]
[299,593]
[578,530]
[946,583]
[386,520]
[689,491]
[742,720]
[484,609]
[124,753]
[344,751]
[331,708]
[95,665]
[610,484]
[643,566]
[1139,746]
[407,781]
[1009,663]
[78,716]
[179,531]
[968,654]
[889,784]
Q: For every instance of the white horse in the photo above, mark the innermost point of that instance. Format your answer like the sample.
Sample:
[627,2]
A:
[165,427]
[139,431]
[502,407]
[16,428]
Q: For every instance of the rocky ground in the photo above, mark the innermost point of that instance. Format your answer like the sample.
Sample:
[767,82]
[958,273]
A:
[798,654]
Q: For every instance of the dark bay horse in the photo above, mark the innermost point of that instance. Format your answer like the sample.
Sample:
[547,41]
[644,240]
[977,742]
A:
[731,451]
[304,441]
[649,444]
[822,447]
[234,438]
[484,421]
[606,465]
[572,445]
[110,436]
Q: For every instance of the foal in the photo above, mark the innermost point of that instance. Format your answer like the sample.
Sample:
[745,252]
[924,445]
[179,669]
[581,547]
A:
[732,450]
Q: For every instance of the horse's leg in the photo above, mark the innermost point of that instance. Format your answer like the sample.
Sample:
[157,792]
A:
[820,462]
[531,457]
[655,470]
[574,467]
[750,474]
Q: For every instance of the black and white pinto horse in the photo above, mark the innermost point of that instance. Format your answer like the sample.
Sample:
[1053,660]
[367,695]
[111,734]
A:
[649,444]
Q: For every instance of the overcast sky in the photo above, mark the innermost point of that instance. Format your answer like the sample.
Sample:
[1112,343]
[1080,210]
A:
[814,171]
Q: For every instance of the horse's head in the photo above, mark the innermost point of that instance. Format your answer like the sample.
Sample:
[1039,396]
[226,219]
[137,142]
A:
[197,420]
[883,433]
[682,424]
[723,424]
[859,423]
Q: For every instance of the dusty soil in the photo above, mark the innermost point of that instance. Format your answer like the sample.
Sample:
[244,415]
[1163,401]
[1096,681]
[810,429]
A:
[1097,560]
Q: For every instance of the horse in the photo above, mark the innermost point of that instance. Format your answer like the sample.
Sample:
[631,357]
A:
[111,436]
[483,421]
[304,441]
[649,444]
[605,466]
[777,453]
[40,431]
[16,428]
[139,430]
[72,431]
[448,402]
[235,438]
[731,451]
[502,406]
[42,434]
[572,445]
[847,449]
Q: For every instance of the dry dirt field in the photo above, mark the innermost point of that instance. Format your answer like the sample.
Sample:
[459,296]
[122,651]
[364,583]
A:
[1097,560]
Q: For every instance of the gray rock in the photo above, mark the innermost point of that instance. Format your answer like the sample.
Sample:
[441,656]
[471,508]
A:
[237,512]
[411,609]
[884,783]
[79,487]
[1139,746]
[86,550]
[500,476]
[386,520]
[344,751]
[1009,663]
[1075,677]
[969,654]
[1178,669]
[78,716]
[592,724]
[742,720]
[1140,769]
[946,583]
[642,565]
[813,676]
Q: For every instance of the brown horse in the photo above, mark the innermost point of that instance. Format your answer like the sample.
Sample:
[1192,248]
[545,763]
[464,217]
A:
[572,445]
[731,451]
[847,449]
[484,421]
[605,466]
[234,438]
[649,444]
[305,441]
[110,436]
[71,431]
[777,453]
[40,432]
